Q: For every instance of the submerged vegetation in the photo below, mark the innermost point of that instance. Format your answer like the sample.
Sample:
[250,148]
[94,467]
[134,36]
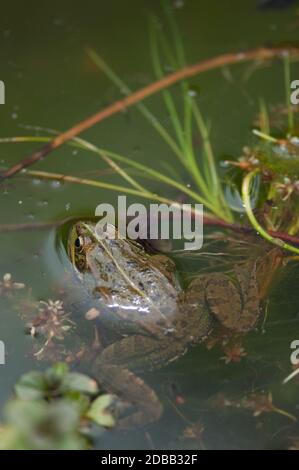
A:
[265,177]
[54,409]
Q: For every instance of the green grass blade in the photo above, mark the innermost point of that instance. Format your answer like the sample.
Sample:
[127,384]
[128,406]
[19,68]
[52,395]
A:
[166,94]
[264,117]
[103,66]
[184,130]
[287,81]
[154,174]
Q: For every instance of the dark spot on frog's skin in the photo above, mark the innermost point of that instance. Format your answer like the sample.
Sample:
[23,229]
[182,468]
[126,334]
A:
[80,263]
[110,268]
[104,277]
[101,292]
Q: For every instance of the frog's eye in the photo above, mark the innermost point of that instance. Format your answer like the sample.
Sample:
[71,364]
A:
[79,242]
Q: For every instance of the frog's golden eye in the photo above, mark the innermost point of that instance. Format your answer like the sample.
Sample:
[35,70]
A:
[79,243]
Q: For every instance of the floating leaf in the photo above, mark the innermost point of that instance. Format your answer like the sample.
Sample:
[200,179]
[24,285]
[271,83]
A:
[31,386]
[80,400]
[40,425]
[80,383]
[59,370]
[100,411]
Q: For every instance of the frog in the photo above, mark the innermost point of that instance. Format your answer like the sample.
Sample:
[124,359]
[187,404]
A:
[139,296]
[235,298]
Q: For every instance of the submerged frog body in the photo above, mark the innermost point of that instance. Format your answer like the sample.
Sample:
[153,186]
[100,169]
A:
[139,296]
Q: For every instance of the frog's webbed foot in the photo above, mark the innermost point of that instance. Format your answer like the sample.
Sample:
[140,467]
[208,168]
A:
[142,406]
[225,301]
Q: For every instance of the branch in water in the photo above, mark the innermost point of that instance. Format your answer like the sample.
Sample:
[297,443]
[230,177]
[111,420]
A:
[261,53]
[208,222]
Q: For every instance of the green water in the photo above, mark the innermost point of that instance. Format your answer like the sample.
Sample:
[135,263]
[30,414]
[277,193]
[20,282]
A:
[51,83]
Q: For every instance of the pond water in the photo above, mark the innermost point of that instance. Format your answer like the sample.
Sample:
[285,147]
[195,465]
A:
[51,83]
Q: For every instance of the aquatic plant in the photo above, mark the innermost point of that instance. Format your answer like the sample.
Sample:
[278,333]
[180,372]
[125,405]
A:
[260,169]
[53,410]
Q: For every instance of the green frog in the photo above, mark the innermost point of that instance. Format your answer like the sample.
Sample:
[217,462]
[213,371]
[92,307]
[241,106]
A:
[139,296]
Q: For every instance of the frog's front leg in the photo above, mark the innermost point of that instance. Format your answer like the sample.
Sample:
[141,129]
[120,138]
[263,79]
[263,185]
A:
[141,353]
[144,406]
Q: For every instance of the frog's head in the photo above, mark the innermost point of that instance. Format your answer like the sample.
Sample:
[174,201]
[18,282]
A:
[80,241]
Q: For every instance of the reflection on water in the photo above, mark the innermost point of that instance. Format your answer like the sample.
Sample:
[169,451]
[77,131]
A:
[212,398]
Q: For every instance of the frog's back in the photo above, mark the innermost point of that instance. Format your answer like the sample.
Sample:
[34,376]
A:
[131,285]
